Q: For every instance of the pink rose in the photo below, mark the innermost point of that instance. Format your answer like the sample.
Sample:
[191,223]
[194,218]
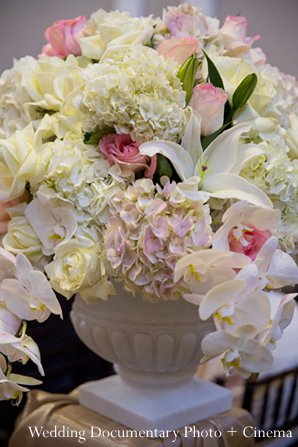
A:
[62,37]
[178,48]
[209,102]
[234,37]
[122,150]
[250,242]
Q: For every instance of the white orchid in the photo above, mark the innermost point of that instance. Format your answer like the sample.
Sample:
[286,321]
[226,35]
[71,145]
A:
[232,306]
[279,323]
[53,225]
[218,167]
[9,322]
[29,295]
[204,269]
[240,350]
[20,349]
[7,264]
[11,384]
[273,268]
[246,227]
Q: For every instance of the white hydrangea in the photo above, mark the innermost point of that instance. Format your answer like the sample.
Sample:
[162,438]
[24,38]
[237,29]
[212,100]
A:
[72,168]
[276,174]
[136,91]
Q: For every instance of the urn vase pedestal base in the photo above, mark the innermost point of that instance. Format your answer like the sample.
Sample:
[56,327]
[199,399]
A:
[156,349]
[143,408]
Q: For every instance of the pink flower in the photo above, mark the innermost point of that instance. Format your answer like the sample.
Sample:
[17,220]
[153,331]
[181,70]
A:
[62,37]
[234,37]
[122,150]
[185,20]
[249,242]
[178,48]
[209,102]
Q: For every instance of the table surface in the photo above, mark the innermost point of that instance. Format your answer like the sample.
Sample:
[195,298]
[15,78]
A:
[58,420]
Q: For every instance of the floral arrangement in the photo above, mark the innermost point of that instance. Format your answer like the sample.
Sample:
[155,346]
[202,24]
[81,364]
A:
[162,153]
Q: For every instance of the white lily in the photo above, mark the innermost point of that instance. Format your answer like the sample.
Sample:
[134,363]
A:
[218,167]
[29,295]
[53,225]
[240,350]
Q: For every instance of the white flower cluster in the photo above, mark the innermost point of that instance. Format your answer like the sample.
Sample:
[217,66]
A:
[136,91]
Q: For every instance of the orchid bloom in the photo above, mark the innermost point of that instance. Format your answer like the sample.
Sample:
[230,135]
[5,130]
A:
[240,350]
[29,295]
[232,306]
[204,269]
[11,384]
[272,268]
[246,228]
[218,167]
[281,320]
[7,264]
[53,225]
[20,349]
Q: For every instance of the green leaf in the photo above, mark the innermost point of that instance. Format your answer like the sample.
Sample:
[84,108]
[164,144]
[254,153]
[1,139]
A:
[187,75]
[213,74]
[94,138]
[244,91]
[163,167]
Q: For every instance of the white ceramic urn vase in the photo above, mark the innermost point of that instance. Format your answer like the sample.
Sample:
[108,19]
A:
[156,349]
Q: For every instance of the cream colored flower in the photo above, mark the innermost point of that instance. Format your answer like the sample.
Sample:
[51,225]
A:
[76,266]
[54,225]
[136,91]
[113,28]
[22,159]
[11,384]
[28,295]
[21,238]
[52,86]
[14,96]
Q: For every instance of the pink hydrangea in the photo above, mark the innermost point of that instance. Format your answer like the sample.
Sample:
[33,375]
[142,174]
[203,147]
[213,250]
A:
[150,229]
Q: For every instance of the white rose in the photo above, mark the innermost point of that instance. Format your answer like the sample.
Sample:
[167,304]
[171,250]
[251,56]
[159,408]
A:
[76,266]
[21,238]
[114,28]
[23,158]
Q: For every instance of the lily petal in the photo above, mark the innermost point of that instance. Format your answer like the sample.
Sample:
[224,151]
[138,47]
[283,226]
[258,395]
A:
[179,157]
[222,154]
[231,186]
[191,140]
